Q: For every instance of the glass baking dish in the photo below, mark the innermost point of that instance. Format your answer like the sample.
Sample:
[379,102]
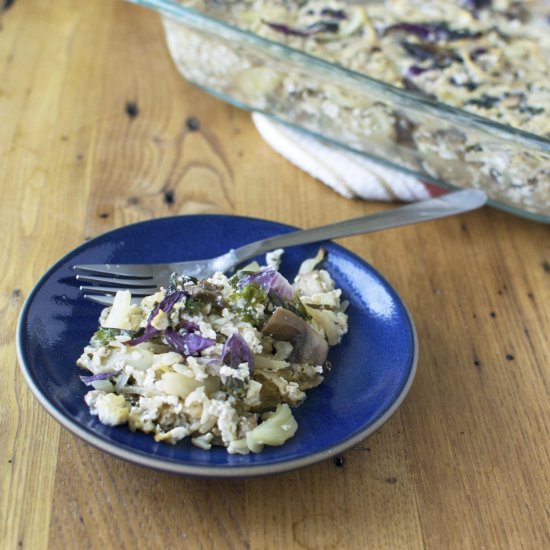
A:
[438,143]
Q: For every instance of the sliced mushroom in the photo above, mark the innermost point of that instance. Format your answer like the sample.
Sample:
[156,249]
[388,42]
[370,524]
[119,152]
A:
[308,345]
[206,292]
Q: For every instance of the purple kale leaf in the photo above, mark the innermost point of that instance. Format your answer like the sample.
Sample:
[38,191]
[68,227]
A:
[271,281]
[166,305]
[187,343]
[100,376]
[236,351]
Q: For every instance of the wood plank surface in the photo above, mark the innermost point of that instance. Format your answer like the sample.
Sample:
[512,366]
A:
[98,130]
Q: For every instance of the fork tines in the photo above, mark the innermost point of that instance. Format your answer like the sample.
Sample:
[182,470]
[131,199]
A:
[106,280]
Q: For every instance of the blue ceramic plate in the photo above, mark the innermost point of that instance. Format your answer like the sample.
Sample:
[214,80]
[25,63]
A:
[373,367]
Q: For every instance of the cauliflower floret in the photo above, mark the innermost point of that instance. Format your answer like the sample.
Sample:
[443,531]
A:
[112,409]
[274,431]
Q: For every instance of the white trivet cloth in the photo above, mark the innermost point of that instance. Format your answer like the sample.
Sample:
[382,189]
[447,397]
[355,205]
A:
[350,174]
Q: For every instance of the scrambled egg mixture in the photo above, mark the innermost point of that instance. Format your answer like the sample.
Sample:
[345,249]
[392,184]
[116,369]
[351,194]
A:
[220,360]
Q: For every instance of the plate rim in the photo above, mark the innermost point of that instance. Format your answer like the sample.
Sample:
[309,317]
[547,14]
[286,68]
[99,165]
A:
[218,472]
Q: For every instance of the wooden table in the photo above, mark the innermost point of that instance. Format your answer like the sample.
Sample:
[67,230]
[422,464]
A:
[95,133]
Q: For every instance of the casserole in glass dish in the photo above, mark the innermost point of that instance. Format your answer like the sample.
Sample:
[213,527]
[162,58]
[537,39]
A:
[454,92]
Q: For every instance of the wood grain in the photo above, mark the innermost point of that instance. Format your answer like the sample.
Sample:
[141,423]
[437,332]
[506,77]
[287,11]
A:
[97,130]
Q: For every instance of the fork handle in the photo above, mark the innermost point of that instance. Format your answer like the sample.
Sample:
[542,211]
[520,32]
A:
[449,204]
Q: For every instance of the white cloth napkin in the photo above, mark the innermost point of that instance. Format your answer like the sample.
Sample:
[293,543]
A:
[350,174]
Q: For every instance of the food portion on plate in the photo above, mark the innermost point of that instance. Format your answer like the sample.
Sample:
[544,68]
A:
[489,58]
[221,360]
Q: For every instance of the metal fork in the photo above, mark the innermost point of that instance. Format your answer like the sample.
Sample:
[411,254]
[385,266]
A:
[145,279]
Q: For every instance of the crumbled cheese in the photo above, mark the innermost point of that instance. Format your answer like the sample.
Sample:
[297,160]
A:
[242,372]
